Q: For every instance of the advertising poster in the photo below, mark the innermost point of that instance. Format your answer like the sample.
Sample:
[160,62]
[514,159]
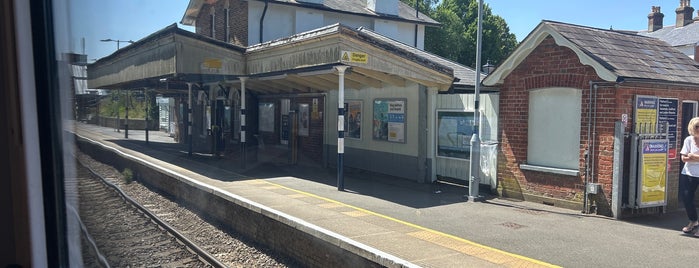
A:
[389,120]
[646,117]
[304,119]
[353,124]
[653,173]
[266,116]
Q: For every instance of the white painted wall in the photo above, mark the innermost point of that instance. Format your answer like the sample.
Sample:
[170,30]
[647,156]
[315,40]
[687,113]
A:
[282,21]
[405,33]
[390,29]
[308,19]
[687,50]
[410,93]
[348,20]
[383,6]
[459,168]
[279,22]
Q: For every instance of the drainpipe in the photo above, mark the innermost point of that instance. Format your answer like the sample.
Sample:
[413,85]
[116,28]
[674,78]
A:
[416,16]
[593,160]
[262,19]
[591,136]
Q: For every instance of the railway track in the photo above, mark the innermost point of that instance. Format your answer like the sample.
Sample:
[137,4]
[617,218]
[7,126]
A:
[213,245]
[119,232]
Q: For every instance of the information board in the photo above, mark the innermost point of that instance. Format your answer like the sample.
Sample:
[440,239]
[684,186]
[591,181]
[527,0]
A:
[667,118]
[653,173]
[646,114]
[389,120]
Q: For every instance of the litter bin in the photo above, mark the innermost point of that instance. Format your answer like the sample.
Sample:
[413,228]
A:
[489,163]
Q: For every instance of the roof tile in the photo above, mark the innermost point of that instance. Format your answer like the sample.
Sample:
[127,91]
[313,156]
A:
[630,55]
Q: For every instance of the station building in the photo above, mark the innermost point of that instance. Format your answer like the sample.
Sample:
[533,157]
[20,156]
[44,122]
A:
[271,76]
[593,119]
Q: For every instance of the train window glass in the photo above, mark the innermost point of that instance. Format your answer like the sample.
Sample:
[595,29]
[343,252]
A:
[110,37]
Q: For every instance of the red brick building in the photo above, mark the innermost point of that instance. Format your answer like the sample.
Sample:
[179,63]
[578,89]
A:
[561,94]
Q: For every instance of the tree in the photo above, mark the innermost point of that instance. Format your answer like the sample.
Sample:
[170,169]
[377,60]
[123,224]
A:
[456,38]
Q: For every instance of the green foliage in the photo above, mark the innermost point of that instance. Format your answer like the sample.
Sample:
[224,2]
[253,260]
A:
[456,38]
[116,103]
[128,175]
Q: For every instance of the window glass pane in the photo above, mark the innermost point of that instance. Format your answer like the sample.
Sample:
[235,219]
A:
[454,131]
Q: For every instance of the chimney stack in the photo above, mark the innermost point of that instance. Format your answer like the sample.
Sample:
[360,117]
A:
[684,13]
[655,19]
[696,52]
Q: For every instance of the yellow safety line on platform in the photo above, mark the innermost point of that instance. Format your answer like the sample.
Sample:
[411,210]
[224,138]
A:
[418,227]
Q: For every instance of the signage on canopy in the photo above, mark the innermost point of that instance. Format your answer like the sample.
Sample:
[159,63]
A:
[354,57]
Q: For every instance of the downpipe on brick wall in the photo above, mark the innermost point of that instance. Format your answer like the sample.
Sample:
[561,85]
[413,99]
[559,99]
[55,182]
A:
[590,150]
[589,153]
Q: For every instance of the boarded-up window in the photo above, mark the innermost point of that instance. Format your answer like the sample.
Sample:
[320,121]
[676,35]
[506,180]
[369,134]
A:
[554,127]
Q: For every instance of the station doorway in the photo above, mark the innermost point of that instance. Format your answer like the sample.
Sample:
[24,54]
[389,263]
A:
[290,129]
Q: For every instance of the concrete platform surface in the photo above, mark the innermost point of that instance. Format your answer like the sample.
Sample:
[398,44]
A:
[425,225]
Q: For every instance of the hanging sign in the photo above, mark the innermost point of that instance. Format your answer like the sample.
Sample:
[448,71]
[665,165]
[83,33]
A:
[212,66]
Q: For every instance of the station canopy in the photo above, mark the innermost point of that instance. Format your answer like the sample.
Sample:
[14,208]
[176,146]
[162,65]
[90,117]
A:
[167,60]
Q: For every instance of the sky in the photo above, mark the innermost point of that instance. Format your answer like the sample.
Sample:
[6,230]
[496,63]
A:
[523,16]
[95,20]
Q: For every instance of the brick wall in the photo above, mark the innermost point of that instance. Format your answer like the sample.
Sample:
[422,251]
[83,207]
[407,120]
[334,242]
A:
[625,94]
[237,21]
[547,66]
[550,65]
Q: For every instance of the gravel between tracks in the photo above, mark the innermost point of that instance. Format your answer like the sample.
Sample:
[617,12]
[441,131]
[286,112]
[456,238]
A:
[228,248]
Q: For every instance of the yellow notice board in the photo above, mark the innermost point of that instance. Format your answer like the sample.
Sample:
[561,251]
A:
[653,173]
[353,56]
[646,117]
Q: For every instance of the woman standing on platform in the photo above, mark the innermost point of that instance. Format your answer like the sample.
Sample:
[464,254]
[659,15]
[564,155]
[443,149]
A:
[690,174]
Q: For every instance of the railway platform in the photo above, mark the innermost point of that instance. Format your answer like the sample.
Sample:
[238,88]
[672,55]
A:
[424,225]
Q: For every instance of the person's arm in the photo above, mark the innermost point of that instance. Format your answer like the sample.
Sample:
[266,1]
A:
[690,157]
